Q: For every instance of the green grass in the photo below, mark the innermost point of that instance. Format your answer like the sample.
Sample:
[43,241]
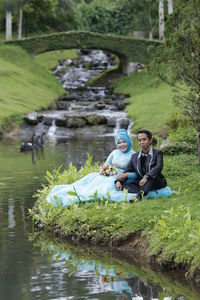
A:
[150,101]
[25,83]
[50,59]
[171,225]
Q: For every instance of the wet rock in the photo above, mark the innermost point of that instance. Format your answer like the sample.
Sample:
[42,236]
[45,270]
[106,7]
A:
[169,147]
[32,118]
[108,101]
[120,105]
[40,118]
[100,106]
[62,105]
[70,97]
[74,122]
[61,122]
[85,51]
[47,121]
[111,122]
[124,123]
[96,120]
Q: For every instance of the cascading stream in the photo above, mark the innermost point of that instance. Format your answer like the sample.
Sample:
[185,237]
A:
[84,106]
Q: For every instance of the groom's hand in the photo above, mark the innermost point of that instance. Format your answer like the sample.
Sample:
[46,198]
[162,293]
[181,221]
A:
[122,176]
[118,186]
[143,181]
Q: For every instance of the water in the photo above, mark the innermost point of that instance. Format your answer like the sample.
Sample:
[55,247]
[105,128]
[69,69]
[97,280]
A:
[37,267]
[83,102]
[40,268]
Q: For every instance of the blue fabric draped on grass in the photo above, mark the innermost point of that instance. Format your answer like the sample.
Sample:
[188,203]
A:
[94,187]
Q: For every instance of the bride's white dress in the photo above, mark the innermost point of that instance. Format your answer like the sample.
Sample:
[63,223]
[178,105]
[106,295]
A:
[94,186]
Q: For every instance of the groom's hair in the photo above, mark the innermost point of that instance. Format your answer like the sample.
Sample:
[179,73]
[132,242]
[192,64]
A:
[147,132]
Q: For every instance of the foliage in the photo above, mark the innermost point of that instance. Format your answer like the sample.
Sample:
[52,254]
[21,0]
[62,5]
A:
[181,56]
[187,135]
[178,119]
[98,17]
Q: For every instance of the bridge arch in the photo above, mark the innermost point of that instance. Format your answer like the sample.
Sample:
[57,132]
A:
[126,48]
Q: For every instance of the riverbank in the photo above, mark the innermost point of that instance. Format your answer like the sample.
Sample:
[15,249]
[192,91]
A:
[167,227]
[26,84]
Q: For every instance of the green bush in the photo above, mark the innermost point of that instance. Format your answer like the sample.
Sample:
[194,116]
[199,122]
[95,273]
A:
[177,120]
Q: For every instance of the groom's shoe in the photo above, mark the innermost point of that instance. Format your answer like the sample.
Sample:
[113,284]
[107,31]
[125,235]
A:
[139,195]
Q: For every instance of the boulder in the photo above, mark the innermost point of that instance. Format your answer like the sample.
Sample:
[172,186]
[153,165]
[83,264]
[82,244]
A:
[120,105]
[47,121]
[169,147]
[124,123]
[108,101]
[32,118]
[62,105]
[70,97]
[61,122]
[74,122]
[96,120]
[100,106]
[111,122]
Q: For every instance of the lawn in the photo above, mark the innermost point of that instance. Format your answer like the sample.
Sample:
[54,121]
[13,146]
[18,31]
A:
[150,101]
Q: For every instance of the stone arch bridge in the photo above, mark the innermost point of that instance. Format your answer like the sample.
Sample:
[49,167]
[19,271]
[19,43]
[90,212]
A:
[128,49]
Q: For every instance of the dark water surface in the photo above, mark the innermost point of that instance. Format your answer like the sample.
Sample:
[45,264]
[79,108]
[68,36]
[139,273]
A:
[39,268]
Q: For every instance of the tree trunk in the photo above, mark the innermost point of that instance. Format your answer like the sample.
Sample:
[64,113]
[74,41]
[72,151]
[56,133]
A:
[161,20]
[150,23]
[20,23]
[170,7]
[8,25]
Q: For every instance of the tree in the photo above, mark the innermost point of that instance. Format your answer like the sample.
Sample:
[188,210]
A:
[19,5]
[170,7]
[178,59]
[161,20]
[8,5]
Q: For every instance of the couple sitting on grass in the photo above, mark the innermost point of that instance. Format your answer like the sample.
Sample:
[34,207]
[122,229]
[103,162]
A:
[126,175]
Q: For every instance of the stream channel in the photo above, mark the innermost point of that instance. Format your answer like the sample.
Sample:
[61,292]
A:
[38,267]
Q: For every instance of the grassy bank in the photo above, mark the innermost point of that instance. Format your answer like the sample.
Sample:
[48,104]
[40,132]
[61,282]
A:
[50,60]
[170,225]
[26,83]
[150,101]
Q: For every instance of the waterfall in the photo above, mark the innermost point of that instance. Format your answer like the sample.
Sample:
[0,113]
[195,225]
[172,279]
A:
[52,129]
[123,122]
[130,125]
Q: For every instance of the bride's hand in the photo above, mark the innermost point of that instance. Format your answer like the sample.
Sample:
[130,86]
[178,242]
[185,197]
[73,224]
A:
[118,186]
[122,176]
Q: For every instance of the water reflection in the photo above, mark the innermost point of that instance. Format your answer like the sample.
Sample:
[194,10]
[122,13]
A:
[106,273]
[26,272]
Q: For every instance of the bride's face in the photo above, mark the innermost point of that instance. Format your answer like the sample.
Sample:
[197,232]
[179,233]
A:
[122,145]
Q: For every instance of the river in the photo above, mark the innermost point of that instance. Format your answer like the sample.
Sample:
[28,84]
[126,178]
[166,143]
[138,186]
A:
[38,267]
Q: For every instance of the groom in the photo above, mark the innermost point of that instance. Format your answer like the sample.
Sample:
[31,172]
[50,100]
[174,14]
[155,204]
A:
[147,164]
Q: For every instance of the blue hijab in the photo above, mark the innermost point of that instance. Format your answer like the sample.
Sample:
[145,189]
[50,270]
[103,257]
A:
[122,134]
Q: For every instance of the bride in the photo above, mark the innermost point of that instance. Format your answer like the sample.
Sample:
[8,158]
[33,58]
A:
[95,185]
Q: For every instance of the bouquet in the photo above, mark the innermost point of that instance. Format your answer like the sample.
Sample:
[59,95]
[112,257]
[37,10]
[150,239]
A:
[108,170]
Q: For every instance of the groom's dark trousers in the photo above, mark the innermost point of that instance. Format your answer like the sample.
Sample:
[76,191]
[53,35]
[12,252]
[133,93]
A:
[148,166]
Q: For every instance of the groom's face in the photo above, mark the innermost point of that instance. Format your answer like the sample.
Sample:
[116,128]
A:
[144,141]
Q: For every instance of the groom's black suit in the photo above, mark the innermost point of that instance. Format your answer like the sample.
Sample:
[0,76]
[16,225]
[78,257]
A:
[148,166]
